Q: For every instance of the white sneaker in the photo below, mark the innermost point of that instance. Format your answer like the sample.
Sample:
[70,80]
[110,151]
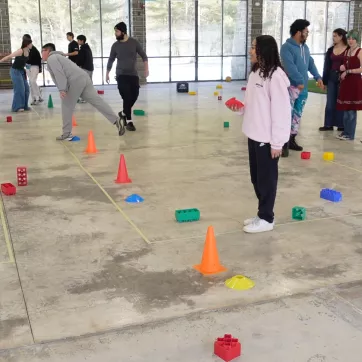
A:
[252,219]
[259,226]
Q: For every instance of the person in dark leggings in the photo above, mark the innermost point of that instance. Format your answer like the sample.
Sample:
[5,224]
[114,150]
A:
[331,79]
[125,49]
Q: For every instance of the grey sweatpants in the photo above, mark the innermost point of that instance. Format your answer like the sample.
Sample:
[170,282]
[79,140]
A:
[84,88]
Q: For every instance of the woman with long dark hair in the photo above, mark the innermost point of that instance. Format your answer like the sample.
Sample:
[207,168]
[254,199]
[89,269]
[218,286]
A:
[267,111]
[350,93]
[331,79]
[18,76]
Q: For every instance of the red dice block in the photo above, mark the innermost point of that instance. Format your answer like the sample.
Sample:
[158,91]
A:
[305,155]
[100,91]
[9,119]
[227,348]
[22,176]
[8,189]
[243,88]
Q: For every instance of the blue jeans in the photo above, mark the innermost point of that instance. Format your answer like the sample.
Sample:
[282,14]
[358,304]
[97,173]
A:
[332,117]
[350,122]
[21,89]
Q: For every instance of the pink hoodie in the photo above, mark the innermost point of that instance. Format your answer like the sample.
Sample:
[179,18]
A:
[267,110]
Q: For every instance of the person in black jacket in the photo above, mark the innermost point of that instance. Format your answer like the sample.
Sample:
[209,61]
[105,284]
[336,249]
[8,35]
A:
[331,73]
[85,58]
[33,68]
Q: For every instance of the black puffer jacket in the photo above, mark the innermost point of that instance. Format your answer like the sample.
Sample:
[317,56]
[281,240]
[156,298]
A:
[85,58]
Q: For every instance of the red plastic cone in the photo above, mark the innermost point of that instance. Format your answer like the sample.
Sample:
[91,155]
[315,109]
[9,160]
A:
[122,177]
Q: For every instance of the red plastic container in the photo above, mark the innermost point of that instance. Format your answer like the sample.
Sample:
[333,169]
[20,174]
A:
[8,189]
[22,176]
[100,91]
[227,348]
[9,119]
[305,155]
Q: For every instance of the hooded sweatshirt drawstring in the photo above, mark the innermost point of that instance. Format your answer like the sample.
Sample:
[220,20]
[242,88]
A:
[302,52]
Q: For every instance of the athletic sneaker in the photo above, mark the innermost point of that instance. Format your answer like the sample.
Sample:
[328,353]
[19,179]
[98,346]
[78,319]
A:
[65,137]
[120,126]
[340,136]
[130,126]
[250,221]
[258,226]
[345,138]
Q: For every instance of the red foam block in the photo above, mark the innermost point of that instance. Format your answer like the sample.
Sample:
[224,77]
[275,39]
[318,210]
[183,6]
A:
[305,155]
[9,119]
[227,348]
[8,189]
[100,91]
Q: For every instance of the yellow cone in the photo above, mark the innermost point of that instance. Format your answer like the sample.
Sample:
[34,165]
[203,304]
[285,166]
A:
[239,282]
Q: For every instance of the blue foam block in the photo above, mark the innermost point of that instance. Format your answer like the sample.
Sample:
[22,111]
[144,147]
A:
[134,199]
[331,195]
[75,139]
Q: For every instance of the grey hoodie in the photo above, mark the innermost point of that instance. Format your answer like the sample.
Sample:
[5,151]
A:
[63,71]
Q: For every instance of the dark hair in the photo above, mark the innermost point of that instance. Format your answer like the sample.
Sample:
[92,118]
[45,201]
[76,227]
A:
[70,34]
[26,36]
[267,56]
[49,46]
[341,32]
[121,27]
[298,25]
[25,42]
[82,37]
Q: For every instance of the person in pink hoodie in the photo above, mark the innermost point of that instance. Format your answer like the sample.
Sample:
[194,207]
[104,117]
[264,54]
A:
[267,111]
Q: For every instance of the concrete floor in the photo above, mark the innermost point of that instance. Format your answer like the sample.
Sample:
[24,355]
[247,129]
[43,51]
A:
[98,279]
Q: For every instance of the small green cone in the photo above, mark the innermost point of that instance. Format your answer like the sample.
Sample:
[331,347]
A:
[226,124]
[50,102]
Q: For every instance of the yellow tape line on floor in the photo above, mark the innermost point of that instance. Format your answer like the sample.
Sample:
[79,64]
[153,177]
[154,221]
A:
[143,236]
[6,233]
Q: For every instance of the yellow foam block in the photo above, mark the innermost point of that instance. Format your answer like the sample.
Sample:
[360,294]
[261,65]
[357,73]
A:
[192,93]
[219,86]
[228,79]
[216,93]
[328,156]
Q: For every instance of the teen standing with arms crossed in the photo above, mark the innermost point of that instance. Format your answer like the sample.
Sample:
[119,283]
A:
[266,123]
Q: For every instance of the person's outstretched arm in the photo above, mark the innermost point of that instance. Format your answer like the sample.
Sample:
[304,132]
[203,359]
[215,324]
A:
[111,59]
[17,53]
[144,57]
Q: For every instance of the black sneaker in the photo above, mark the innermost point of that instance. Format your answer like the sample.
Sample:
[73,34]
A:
[120,126]
[285,150]
[130,126]
[293,145]
[324,128]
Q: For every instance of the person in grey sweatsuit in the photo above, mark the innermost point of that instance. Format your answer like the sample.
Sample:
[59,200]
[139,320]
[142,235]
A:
[72,83]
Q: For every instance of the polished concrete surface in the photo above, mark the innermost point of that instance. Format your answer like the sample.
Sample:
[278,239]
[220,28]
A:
[83,274]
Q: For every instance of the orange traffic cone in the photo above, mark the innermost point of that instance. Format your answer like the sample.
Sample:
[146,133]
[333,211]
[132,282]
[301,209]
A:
[74,122]
[122,177]
[210,263]
[91,147]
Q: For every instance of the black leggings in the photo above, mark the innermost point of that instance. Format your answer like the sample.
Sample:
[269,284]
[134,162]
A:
[264,177]
[129,89]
